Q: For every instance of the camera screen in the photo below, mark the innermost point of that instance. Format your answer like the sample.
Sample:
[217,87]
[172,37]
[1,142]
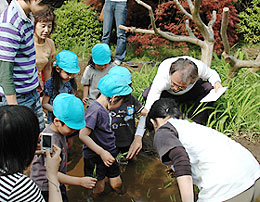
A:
[46,141]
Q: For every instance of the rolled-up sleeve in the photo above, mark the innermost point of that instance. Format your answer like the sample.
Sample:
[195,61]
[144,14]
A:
[6,77]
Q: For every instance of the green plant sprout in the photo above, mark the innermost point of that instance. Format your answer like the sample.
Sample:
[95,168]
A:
[95,171]
[121,158]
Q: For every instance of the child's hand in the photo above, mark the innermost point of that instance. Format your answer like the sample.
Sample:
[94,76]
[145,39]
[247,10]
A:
[88,182]
[85,100]
[107,158]
[135,147]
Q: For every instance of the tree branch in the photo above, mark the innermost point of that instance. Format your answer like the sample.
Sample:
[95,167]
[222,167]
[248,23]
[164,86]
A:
[209,36]
[190,5]
[223,32]
[237,64]
[213,20]
[136,30]
[167,35]
[183,10]
[189,29]
[149,8]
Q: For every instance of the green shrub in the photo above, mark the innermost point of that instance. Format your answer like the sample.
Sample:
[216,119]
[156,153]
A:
[249,22]
[237,110]
[76,26]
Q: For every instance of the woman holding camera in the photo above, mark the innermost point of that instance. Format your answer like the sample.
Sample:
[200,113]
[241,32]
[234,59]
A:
[19,132]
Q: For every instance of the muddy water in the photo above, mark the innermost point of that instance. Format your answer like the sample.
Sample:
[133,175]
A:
[144,180]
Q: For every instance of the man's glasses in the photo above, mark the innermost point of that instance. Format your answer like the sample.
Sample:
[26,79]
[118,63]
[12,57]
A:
[178,86]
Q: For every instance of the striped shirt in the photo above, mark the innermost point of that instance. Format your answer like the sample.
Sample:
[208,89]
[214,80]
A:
[17,45]
[17,187]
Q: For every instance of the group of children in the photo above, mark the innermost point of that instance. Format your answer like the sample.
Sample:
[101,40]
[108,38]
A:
[107,126]
[107,94]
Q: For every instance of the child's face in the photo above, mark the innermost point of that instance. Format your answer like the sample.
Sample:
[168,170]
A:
[65,76]
[101,67]
[65,130]
[114,103]
[43,29]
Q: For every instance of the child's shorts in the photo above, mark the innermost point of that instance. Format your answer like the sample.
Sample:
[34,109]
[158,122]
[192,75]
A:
[102,170]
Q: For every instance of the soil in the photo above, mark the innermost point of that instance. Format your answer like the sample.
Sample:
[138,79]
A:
[252,145]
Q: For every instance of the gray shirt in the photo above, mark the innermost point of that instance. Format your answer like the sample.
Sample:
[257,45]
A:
[91,77]
[38,169]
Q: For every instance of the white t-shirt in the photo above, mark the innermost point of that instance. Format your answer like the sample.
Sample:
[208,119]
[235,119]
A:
[221,167]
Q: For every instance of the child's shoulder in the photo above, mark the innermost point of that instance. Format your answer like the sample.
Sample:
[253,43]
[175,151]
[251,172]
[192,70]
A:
[48,83]
[132,100]
[95,106]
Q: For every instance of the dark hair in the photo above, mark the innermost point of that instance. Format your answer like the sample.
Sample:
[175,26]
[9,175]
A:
[57,82]
[53,117]
[19,132]
[92,64]
[124,97]
[45,16]
[161,109]
[53,3]
[187,69]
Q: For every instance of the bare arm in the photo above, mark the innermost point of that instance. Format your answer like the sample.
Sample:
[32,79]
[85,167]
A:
[107,158]
[45,103]
[186,188]
[136,145]
[101,17]
[52,165]
[87,182]
[47,69]
[85,94]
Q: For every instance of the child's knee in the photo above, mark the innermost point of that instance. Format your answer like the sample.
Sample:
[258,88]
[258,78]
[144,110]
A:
[116,182]
[100,187]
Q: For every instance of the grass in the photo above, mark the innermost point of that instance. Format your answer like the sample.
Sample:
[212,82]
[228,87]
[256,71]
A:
[238,110]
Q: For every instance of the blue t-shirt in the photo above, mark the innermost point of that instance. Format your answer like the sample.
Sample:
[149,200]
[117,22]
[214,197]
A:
[98,120]
[49,91]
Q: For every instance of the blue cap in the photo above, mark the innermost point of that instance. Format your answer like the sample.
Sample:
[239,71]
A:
[121,71]
[101,54]
[111,85]
[68,61]
[69,109]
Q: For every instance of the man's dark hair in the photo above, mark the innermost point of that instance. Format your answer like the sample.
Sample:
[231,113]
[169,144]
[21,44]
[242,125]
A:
[187,69]
[19,132]
[162,108]
[53,3]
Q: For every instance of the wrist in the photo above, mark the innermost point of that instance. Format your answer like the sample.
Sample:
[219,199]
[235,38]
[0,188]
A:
[100,151]
[138,137]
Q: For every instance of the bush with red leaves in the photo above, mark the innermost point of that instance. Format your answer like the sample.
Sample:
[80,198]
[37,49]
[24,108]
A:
[170,18]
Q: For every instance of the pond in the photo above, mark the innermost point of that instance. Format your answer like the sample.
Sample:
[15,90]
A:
[144,180]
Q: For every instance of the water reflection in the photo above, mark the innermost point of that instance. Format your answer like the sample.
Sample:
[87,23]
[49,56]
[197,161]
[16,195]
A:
[144,180]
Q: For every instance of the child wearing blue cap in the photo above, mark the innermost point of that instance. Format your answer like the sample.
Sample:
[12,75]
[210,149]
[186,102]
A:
[98,66]
[69,117]
[62,80]
[123,118]
[100,149]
